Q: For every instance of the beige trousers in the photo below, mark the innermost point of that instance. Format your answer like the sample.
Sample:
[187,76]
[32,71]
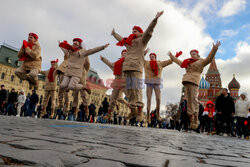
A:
[117,95]
[49,94]
[157,90]
[19,107]
[63,94]
[191,94]
[32,74]
[71,83]
[83,94]
[133,88]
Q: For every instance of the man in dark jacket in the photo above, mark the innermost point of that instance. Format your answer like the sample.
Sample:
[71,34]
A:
[225,110]
[92,112]
[105,105]
[34,99]
[3,97]
[184,116]
[201,125]
[12,99]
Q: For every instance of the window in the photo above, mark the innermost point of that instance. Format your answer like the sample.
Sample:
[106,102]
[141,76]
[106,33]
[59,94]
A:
[3,75]
[9,60]
[12,78]
[18,63]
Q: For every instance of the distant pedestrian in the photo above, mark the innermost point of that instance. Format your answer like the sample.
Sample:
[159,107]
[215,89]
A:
[20,102]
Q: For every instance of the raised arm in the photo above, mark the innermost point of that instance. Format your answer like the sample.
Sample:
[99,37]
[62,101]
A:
[93,51]
[65,51]
[107,62]
[175,59]
[166,62]
[211,55]
[148,33]
[34,53]
[116,35]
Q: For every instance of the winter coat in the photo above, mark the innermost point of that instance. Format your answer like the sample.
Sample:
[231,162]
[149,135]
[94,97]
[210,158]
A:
[134,60]
[86,67]
[225,105]
[3,95]
[50,85]
[33,59]
[210,111]
[242,107]
[77,59]
[201,110]
[21,98]
[12,98]
[194,70]
[105,105]
[119,80]
[150,77]
[63,66]
[34,99]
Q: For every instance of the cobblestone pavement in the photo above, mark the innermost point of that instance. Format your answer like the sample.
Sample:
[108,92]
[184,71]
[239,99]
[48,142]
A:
[40,142]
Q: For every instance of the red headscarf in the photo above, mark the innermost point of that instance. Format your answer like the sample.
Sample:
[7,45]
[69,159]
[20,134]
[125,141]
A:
[154,65]
[25,45]
[51,71]
[67,46]
[186,62]
[127,40]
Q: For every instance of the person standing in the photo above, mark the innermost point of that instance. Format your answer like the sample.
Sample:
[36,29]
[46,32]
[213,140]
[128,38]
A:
[50,89]
[242,107]
[184,116]
[194,67]
[20,102]
[30,54]
[12,99]
[34,99]
[133,64]
[225,108]
[210,112]
[3,97]
[92,113]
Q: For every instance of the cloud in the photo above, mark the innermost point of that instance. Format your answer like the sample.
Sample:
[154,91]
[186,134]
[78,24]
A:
[239,65]
[232,7]
[178,29]
[228,33]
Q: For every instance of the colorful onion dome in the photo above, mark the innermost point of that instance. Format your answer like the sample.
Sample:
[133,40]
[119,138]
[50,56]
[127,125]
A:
[204,84]
[234,84]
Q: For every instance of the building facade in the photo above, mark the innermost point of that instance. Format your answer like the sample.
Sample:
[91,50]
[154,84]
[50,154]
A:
[210,87]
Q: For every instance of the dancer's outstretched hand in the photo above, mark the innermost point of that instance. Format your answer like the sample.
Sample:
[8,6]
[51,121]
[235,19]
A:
[159,14]
[101,57]
[113,31]
[105,46]
[170,54]
[217,44]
